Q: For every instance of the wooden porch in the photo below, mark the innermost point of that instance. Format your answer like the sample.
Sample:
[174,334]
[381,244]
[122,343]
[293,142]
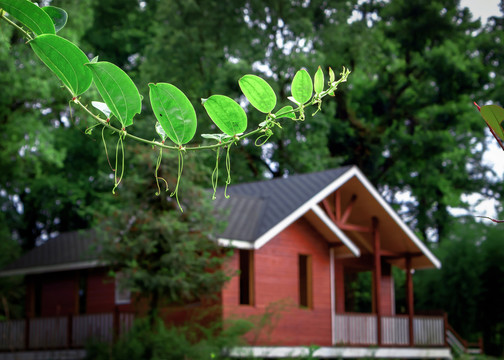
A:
[353,329]
[62,332]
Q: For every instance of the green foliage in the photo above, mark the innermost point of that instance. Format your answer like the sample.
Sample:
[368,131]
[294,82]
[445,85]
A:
[117,90]
[174,112]
[58,16]
[358,292]
[189,342]
[469,286]
[491,277]
[165,256]
[286,111]
[11,288]
[258,92]
[318,81]
[493,116]
[29,14]
[229,117]
[172,108]
[52,177]
[66,60]
[302,87]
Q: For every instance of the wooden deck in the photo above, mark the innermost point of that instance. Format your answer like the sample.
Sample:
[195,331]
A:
[62,332]
[352,329]
[354,335]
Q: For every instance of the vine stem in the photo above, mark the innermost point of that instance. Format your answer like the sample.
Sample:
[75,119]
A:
[5,18]
[229,142]
[314,100]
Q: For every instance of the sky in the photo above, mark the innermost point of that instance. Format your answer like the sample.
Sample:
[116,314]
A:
[494,157]
[482,8]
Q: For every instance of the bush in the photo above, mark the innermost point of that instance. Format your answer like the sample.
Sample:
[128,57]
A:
[192,341]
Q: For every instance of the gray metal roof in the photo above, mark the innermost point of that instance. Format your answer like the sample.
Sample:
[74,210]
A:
[71,247]
[258,206]
[252,209]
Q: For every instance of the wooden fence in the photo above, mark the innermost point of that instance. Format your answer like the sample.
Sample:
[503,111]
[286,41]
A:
[362,330]
[62,332]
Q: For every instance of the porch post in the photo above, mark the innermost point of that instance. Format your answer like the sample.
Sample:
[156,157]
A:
[116,324]
[69,330]
[377,277]
[27,333]
[333,296]
[409,299]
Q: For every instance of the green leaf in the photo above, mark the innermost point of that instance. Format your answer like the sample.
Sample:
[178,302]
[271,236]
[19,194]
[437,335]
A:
[66,60]
[229,117]
[218,137]
[331,76]
[302,87]
[160,131]
[174,112]
[318,82]
[58,16]
[286,112]
[30,15]
[494,115]
[258,92]
[102,107]
[117,90]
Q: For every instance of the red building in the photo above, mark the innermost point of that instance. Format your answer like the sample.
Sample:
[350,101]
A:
[300,243]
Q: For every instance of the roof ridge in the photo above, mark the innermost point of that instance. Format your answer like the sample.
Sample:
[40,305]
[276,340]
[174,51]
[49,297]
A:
[295,175]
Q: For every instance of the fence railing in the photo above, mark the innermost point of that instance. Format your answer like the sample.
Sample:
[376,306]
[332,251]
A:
[12,335]
[356,329]
[461,346]
[63,331]
[362,329]
[395,330]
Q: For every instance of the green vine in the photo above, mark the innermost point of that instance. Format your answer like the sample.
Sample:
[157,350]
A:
[176,117]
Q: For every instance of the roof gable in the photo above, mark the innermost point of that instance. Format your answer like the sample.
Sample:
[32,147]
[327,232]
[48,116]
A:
[287,199]
[274,201]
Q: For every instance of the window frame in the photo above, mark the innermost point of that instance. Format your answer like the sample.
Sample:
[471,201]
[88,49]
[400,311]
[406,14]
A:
[246,277]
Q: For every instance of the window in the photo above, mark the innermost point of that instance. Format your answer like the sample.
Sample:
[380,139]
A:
[305,281]
[122,295]
[246,277]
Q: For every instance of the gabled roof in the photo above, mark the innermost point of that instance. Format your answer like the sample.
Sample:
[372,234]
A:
[68,251]
[279,202]
[257,207]
[256,213]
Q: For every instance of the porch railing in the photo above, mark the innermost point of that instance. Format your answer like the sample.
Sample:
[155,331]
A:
[62,331]
[362,329]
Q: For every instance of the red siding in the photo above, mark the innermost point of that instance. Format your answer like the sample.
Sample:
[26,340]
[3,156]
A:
[276,289]
[100,292]
[58,294]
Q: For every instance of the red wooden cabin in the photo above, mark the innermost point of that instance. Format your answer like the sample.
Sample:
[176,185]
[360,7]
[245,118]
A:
[299,242]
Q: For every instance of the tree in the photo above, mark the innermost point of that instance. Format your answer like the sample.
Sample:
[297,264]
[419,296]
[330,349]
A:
[164,256]
[491,316]
[407,118]
[409,112]
[456,288]
[48,176]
